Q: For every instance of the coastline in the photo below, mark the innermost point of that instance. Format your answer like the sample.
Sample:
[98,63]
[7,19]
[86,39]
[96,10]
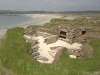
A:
[41,19]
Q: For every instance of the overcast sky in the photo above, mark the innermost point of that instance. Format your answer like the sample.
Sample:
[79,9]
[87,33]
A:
[50,5]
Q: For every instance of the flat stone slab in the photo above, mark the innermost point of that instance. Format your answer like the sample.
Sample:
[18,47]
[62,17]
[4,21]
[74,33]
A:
[54,51]
[72,56]
[52,39]
[43,58]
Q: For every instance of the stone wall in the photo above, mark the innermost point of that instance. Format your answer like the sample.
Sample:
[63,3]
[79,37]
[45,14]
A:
[74,35]
[49,38]
[53,30]
[77,34]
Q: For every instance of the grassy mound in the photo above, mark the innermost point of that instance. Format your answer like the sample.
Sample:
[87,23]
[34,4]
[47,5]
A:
[14,56]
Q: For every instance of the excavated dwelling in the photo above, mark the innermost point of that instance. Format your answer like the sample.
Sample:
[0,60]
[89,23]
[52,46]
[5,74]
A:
[71,35]
[51,35]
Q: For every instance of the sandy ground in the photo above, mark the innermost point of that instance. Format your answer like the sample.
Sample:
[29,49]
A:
[43,48]
[70,18]
[2,32]
[40,20]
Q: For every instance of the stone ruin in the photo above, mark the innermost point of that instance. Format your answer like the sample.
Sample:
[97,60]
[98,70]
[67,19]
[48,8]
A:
[51,35]
[49,38]
[74,35]
[70,35]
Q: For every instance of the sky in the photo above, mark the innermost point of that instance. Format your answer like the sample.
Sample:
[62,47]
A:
[50,5]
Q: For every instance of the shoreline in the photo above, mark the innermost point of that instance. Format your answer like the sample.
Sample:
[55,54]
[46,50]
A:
[41,19]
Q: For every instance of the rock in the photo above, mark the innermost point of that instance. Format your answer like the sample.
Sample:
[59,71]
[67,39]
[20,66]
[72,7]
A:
[40,33]
[43,58]
[82,28]
[35,54]
[30,39]
[27,37]
[44,34]
[26,40]
[48,37]
[53,47]
[72,56]
[36,57]
[34,38]
[52,39]
[29,31]
[30,52]
[55,51]
[74,50]
[35,47]
[73,53]
[34,50]
[53,30]
[45,40]
[33,41]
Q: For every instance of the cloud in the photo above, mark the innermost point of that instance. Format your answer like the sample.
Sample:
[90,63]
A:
[50,5]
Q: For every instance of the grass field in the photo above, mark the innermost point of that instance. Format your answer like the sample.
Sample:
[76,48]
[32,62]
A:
[14,56]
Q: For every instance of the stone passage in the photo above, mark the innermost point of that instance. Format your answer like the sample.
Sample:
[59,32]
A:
[62,35]
[83,32]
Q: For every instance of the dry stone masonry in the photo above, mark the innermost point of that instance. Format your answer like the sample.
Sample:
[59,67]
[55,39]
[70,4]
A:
[49,38]
[66,33]
[63,32]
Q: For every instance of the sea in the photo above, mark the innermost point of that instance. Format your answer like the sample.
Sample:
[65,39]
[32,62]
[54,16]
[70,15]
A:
[10,21]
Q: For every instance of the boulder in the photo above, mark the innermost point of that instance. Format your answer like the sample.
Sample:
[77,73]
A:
[73,53]
[82,28]
[35,47]
[35,54]
[72,56]
[53,53]
[34,50]
[45,40]
[43,58]
[74,50]
[44,34]
[36,57]
[52,48]
[27,37]
[28,31]
[52,39]
[30,52]
[40,33]
[30,39]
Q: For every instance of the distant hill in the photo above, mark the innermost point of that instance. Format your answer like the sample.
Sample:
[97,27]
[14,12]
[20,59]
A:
[45,12]
[82,12]
[19,12]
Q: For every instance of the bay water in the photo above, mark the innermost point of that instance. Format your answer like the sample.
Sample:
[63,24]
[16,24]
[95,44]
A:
[9,21]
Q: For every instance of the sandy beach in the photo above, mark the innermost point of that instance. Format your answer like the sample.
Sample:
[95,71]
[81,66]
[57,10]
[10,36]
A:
[40,20]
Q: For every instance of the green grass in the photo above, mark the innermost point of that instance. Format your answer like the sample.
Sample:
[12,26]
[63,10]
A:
[96,17]
[14,56]
[50,26]
[60,20]
[45,26]
[1,40]
[94,32]
[33,26]
[63,22]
